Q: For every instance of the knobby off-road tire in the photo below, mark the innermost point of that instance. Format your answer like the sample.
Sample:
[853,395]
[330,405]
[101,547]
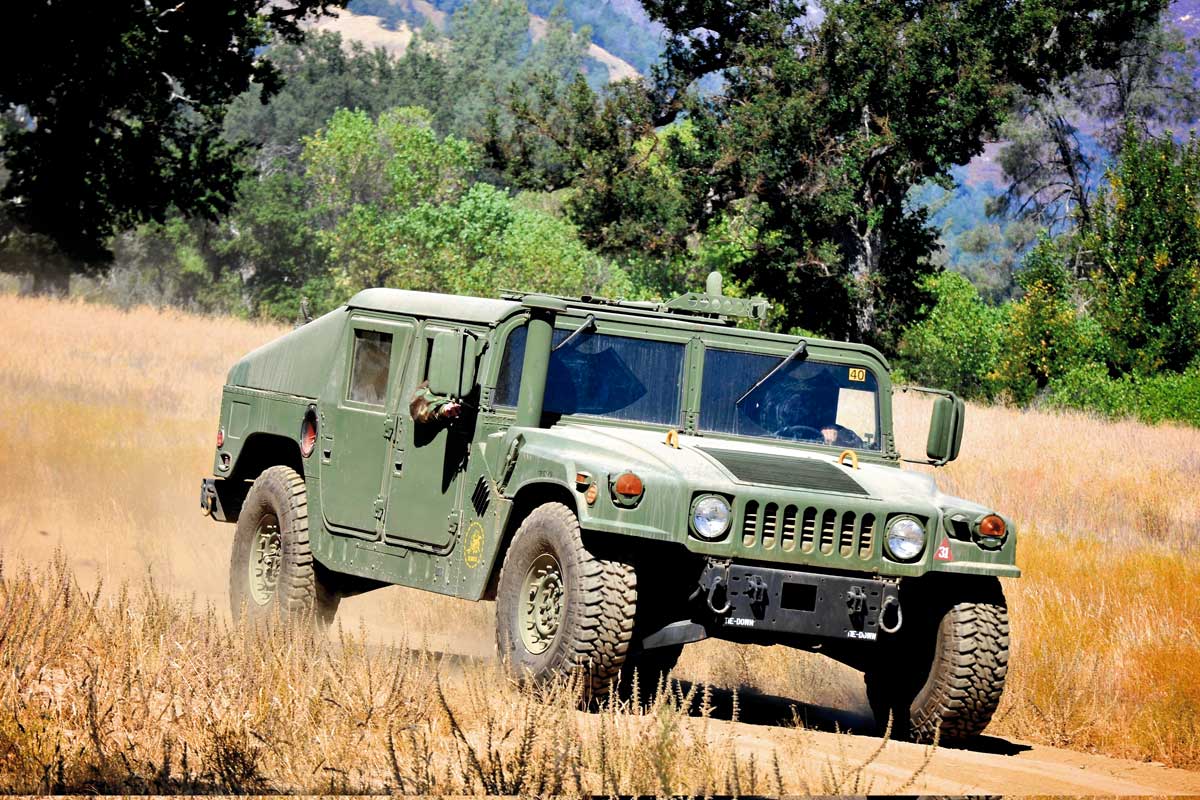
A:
[559,608]
[945,669]
[272,571]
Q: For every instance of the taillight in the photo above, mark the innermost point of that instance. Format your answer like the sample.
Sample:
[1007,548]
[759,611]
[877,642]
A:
[308,433]
[220,437]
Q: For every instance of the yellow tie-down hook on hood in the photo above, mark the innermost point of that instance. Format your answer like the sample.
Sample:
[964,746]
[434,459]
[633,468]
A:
[853,458]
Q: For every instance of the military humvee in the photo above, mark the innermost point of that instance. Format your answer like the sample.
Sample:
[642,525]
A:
[623,478]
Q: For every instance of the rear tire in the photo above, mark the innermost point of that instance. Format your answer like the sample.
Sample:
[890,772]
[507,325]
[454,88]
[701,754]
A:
[271,569]
[943,674]
[559,608]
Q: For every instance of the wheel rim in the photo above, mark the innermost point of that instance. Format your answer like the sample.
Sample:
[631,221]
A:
[266,557]
[541,604]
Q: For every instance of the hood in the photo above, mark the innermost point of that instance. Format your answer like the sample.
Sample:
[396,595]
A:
[729,465]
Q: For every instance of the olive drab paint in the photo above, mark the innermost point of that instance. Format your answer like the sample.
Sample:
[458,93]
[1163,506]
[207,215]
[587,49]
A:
[430,505]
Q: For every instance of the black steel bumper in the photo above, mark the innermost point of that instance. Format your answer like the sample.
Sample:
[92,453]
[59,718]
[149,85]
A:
[751,598]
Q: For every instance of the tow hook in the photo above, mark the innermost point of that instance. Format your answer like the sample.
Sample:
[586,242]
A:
[856,599]
[756,587]
[720,579]
[888,602]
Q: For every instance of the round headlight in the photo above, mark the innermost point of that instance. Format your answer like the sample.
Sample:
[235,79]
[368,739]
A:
[710,517]
[905,538]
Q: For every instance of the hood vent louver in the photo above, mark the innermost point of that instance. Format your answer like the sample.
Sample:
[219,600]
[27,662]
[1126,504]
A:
[795,472]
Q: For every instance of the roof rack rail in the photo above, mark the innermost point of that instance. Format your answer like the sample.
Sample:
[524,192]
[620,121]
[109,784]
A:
[711,303]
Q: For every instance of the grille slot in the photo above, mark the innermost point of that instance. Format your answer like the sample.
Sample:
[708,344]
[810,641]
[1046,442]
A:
[808,530]
[866,536]
[797,472]
[846,539]
[787,534]
[828,524]
[770,522]
[750,524]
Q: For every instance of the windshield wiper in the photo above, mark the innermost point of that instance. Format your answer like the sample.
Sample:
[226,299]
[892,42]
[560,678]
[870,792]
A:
[800,352]
[588,326]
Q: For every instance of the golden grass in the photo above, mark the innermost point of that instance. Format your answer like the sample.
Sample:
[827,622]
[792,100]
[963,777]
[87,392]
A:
[109,422]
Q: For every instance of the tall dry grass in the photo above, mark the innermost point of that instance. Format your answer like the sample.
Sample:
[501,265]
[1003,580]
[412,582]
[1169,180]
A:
[138,692]
[109,421]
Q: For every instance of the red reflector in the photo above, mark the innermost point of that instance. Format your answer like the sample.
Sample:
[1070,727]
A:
[628,485]
[220,437]
[308,434]
[991,525]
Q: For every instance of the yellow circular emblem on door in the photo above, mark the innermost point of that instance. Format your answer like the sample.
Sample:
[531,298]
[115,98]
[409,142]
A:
[473,544]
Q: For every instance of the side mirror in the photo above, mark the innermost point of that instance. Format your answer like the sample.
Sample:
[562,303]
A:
[452,364]
[945,429]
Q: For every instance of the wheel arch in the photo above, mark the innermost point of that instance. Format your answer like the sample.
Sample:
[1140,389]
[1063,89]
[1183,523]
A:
[529,496]
[260,452]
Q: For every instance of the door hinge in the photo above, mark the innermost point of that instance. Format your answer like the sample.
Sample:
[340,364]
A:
[389,426]
[380,505]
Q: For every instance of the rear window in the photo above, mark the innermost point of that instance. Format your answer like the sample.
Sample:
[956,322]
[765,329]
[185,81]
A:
[369,373]
[601,375]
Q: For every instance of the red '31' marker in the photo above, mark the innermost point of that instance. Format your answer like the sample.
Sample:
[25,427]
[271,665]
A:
[943,552]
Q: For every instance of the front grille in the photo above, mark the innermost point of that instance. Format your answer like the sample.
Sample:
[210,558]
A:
[812,530]
[796,472]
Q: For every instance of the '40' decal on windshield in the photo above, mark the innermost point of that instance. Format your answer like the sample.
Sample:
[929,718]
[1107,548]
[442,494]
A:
[858,374]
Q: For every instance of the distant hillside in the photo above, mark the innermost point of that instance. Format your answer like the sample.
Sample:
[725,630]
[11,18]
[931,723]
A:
[390,24]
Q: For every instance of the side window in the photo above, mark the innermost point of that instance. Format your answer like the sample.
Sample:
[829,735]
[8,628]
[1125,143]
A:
[602,375]
[369,370]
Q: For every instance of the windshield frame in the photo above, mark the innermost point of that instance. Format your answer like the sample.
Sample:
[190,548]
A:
[697,337]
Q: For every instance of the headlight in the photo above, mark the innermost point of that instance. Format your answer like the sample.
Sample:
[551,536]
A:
[905,538]
[710,517]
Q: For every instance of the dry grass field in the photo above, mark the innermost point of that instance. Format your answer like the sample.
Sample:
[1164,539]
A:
[119,669]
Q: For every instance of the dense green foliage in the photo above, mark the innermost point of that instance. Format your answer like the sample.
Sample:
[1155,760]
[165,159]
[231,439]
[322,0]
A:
[1123,339]
[802,156]
[120,118]
[818,134]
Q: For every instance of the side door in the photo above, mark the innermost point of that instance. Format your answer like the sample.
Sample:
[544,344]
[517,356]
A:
[425,482]
[356,428]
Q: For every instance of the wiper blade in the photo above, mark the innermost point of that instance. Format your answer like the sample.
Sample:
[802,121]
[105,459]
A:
[800,351]
[588,326]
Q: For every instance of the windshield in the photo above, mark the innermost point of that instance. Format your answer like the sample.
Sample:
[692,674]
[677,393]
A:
[807,401]
[619,377]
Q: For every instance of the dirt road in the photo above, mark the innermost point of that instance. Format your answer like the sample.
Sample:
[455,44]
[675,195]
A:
[837,759]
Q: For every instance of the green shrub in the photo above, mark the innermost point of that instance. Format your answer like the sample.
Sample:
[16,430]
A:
[1170,396]
[956,345]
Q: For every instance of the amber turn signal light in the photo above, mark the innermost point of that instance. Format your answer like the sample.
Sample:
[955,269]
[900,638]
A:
[628,485]
[992,526]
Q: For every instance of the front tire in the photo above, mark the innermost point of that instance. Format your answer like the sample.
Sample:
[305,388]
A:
[943,674]
[559,608]
[271,569]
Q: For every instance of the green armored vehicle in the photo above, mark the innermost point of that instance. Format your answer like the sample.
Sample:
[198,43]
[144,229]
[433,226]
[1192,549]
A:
[622,478]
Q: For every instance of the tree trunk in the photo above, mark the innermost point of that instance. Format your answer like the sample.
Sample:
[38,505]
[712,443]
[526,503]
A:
[863,271]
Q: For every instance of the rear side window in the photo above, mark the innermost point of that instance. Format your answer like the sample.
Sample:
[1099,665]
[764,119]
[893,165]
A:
[369,370]
[618,377]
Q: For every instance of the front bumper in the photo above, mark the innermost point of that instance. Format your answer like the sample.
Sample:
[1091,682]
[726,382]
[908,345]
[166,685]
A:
[746,598]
